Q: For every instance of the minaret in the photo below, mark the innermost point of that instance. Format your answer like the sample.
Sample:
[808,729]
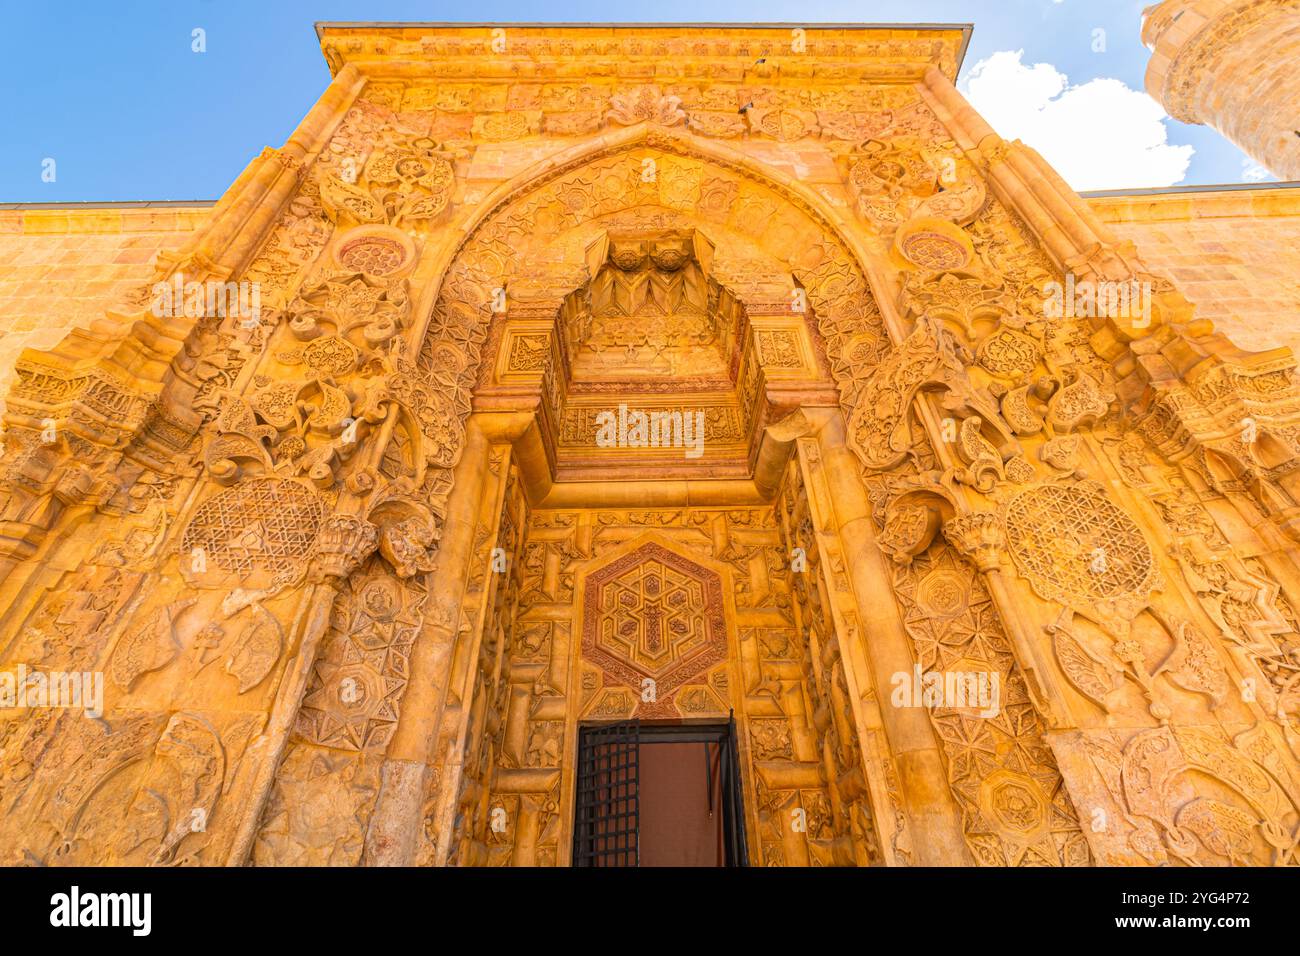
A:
[1232,65]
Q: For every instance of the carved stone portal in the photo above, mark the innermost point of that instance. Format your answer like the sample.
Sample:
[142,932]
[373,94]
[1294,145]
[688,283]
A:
[568,402]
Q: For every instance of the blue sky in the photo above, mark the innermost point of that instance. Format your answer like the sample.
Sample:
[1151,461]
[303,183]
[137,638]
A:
[114,94]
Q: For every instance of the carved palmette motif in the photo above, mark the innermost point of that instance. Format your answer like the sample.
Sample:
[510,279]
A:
[881,421]
[899,178]
[645,103]
[1250,820]
[402,183]
[1239,595]
[143,791]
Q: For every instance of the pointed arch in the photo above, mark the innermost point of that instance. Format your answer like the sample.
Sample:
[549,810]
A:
[829,220]
[707,181]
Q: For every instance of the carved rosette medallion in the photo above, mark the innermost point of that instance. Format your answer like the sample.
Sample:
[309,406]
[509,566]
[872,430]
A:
[263,527]
[1076,547]
[1016,806]
[933,245]
[379,251]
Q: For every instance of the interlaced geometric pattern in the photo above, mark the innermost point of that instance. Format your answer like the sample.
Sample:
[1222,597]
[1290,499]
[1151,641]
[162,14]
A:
[1074,545]
[656,614]
[263,524]
[1015,808]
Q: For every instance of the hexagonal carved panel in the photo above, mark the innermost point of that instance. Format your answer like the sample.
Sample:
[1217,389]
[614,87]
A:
[653,613]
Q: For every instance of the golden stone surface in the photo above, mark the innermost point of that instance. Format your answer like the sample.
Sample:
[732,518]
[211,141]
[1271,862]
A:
[355,568]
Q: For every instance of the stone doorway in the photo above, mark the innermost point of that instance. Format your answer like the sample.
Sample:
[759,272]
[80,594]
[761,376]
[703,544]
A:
[658,794]
[667,616]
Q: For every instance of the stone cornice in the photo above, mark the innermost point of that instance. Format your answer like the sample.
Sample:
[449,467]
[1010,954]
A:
[100,219]
[834,53]
[1273,200]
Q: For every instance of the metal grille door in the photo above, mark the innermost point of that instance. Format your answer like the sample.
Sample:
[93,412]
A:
[605,830]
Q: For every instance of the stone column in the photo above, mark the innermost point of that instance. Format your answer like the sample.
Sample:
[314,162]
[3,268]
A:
[410,770]
[1230,64]
[885,649]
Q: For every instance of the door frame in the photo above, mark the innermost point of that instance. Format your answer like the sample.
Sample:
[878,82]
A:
[580,699]
[698,730]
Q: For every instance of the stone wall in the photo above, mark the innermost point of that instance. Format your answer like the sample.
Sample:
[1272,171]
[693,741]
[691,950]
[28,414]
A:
[63,264]
[1234,253]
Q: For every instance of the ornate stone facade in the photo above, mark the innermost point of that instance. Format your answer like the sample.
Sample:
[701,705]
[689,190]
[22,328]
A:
[666,373]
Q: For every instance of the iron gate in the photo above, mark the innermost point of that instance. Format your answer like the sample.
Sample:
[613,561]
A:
[605,825]
[607,804]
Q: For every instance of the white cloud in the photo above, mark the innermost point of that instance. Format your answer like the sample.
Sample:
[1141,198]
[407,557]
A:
[1253,172]
[1098,135]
